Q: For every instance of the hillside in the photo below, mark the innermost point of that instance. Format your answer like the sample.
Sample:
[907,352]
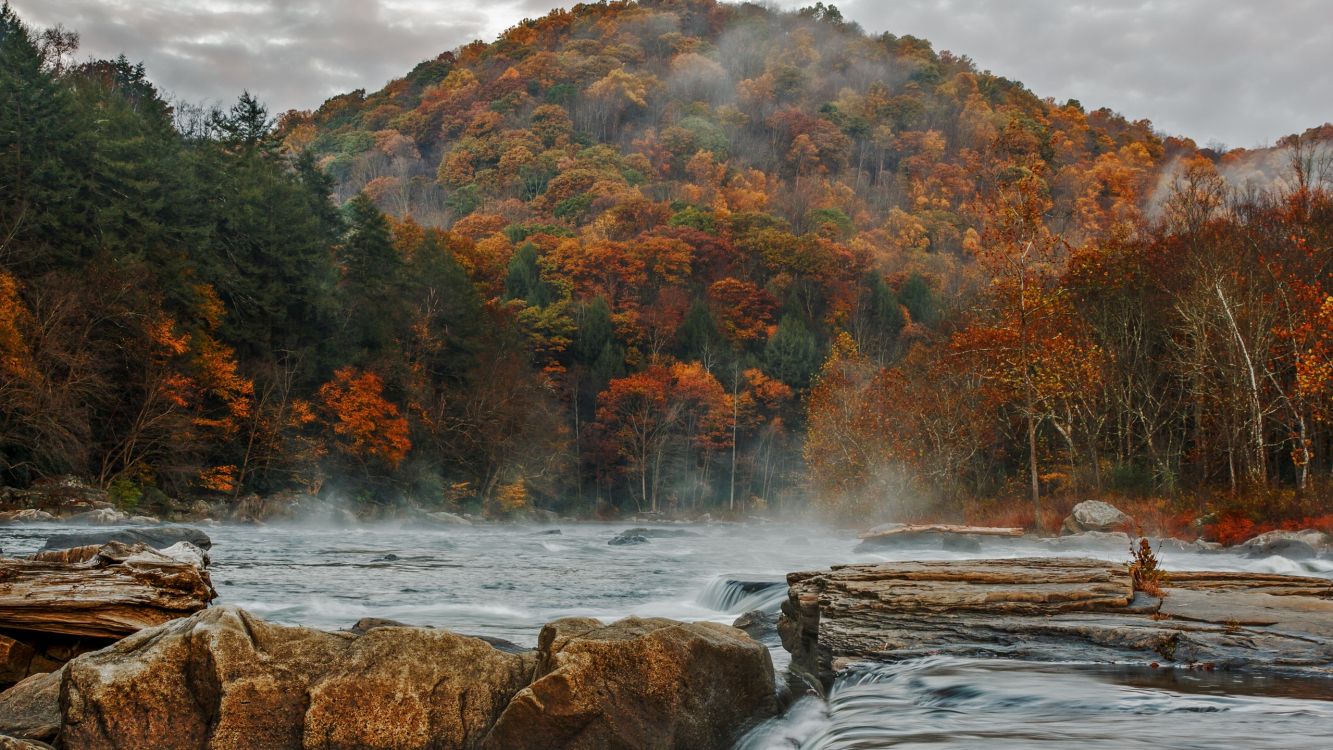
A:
[670,255]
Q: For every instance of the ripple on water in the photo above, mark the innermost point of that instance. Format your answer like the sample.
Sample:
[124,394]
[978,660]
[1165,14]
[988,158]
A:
[955,703]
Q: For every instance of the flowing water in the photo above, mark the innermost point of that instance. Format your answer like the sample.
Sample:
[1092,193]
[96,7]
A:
[506,581]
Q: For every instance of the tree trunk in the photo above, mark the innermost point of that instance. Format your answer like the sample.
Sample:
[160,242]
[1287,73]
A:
[1032,470]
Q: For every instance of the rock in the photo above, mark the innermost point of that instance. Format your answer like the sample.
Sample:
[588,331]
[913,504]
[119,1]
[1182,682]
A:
[549,532]
[1292,549]
[157,538]
[1115,541]
[659,533]
[31,709]
[27,515]
[1095,515]
[640,535]
[542,515]
[187,553]
[119,590]
[15,660]
[932,536]
[367,624]
[649,684]
[143,520]
[443,518]
[1296,545]
[627,538]
[224,679]
[391,557]
[12,743]
[99,517]
[759,625]
[370,623]
[1051,609]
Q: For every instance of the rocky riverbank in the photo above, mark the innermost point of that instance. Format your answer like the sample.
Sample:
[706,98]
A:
[1052,609]
[224,679]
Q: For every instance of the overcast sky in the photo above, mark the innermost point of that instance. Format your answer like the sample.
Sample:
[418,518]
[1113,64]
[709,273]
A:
[1229,71]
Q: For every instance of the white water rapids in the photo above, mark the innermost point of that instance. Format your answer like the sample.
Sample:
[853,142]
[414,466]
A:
[506,581]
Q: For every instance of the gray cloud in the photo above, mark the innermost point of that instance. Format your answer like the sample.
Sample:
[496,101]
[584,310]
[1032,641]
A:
[1234,71]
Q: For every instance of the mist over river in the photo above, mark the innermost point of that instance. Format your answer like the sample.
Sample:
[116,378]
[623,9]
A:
[506,581]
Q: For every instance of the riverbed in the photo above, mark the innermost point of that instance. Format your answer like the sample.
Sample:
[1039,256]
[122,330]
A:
[506,581]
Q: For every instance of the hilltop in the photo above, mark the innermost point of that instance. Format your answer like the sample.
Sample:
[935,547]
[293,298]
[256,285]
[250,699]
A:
[676,255]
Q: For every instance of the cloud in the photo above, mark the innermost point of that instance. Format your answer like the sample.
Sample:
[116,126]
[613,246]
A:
[1234,71]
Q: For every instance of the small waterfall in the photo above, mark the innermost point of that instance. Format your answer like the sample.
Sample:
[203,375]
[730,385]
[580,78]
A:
[736,596]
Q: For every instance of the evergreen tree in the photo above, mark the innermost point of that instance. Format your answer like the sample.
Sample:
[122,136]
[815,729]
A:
[524,278]
[792,354]
[372,305]
[39,148]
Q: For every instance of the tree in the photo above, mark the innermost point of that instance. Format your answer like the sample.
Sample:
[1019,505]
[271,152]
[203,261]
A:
[371,277]
[792,354]
[366,428]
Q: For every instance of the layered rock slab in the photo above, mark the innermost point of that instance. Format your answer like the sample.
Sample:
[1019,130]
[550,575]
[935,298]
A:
[108,592]
[1051,609]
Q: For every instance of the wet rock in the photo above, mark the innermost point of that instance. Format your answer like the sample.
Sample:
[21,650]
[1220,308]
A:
[932,536]
[27,515]
[625,538]
[158,538]
[549,532]
[1095,515]
[224,679]
[1198,546]
[648,533]
[1296,545]
[1117,541]
[99,517]
[143,520]
[31,709]
[649,684]
[759,625]
[1292,549]
[117,591]
[1050,609]
[442,518]
[389,558]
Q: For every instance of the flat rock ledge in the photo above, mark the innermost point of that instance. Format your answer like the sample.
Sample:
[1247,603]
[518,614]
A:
[223,679]
[1051,609]
[61,603]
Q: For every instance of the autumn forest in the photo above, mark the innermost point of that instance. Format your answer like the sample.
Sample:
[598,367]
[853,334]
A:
[679,256]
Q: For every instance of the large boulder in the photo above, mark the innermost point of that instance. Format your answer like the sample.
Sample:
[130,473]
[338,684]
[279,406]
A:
[30,710]
[648,684]
[1296,545]
[160,537]
[1095,515]
[224,679]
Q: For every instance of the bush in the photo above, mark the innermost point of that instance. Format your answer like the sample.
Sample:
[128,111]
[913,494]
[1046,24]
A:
[1144,571]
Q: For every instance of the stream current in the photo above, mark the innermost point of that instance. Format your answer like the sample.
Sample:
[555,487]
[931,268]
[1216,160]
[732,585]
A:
[506,581]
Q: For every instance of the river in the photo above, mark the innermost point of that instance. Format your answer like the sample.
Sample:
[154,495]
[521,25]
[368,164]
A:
[506,581]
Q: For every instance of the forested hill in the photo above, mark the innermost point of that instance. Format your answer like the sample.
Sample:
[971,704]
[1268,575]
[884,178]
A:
[669,254]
